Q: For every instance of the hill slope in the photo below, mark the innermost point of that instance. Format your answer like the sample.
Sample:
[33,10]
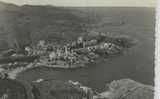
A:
[22,25]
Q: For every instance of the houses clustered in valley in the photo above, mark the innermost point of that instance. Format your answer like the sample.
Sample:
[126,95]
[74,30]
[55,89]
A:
[70,55]
[76,54]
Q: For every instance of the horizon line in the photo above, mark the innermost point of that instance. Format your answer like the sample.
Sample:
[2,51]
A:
[77,6]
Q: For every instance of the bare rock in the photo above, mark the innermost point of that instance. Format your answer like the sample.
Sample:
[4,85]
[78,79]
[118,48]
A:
[12,89]
[128,89]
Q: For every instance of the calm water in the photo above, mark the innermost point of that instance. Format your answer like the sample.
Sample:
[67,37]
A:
[137,63]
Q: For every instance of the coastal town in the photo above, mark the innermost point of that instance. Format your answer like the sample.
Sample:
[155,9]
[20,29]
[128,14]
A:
[71,55]
[49,51]
[76,54]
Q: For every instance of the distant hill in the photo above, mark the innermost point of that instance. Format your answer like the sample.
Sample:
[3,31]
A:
[23,25]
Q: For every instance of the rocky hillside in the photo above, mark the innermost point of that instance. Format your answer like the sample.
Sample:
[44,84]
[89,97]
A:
[54,89]
[128,89]
[12,89]
[22,25]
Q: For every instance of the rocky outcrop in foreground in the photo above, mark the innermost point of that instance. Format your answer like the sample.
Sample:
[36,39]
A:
[53,89]
[12,89]
[128,89]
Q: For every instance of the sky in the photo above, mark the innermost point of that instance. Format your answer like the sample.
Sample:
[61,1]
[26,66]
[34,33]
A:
[129,3]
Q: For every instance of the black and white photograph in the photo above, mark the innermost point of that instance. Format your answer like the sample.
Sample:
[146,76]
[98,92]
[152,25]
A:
[77,49]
